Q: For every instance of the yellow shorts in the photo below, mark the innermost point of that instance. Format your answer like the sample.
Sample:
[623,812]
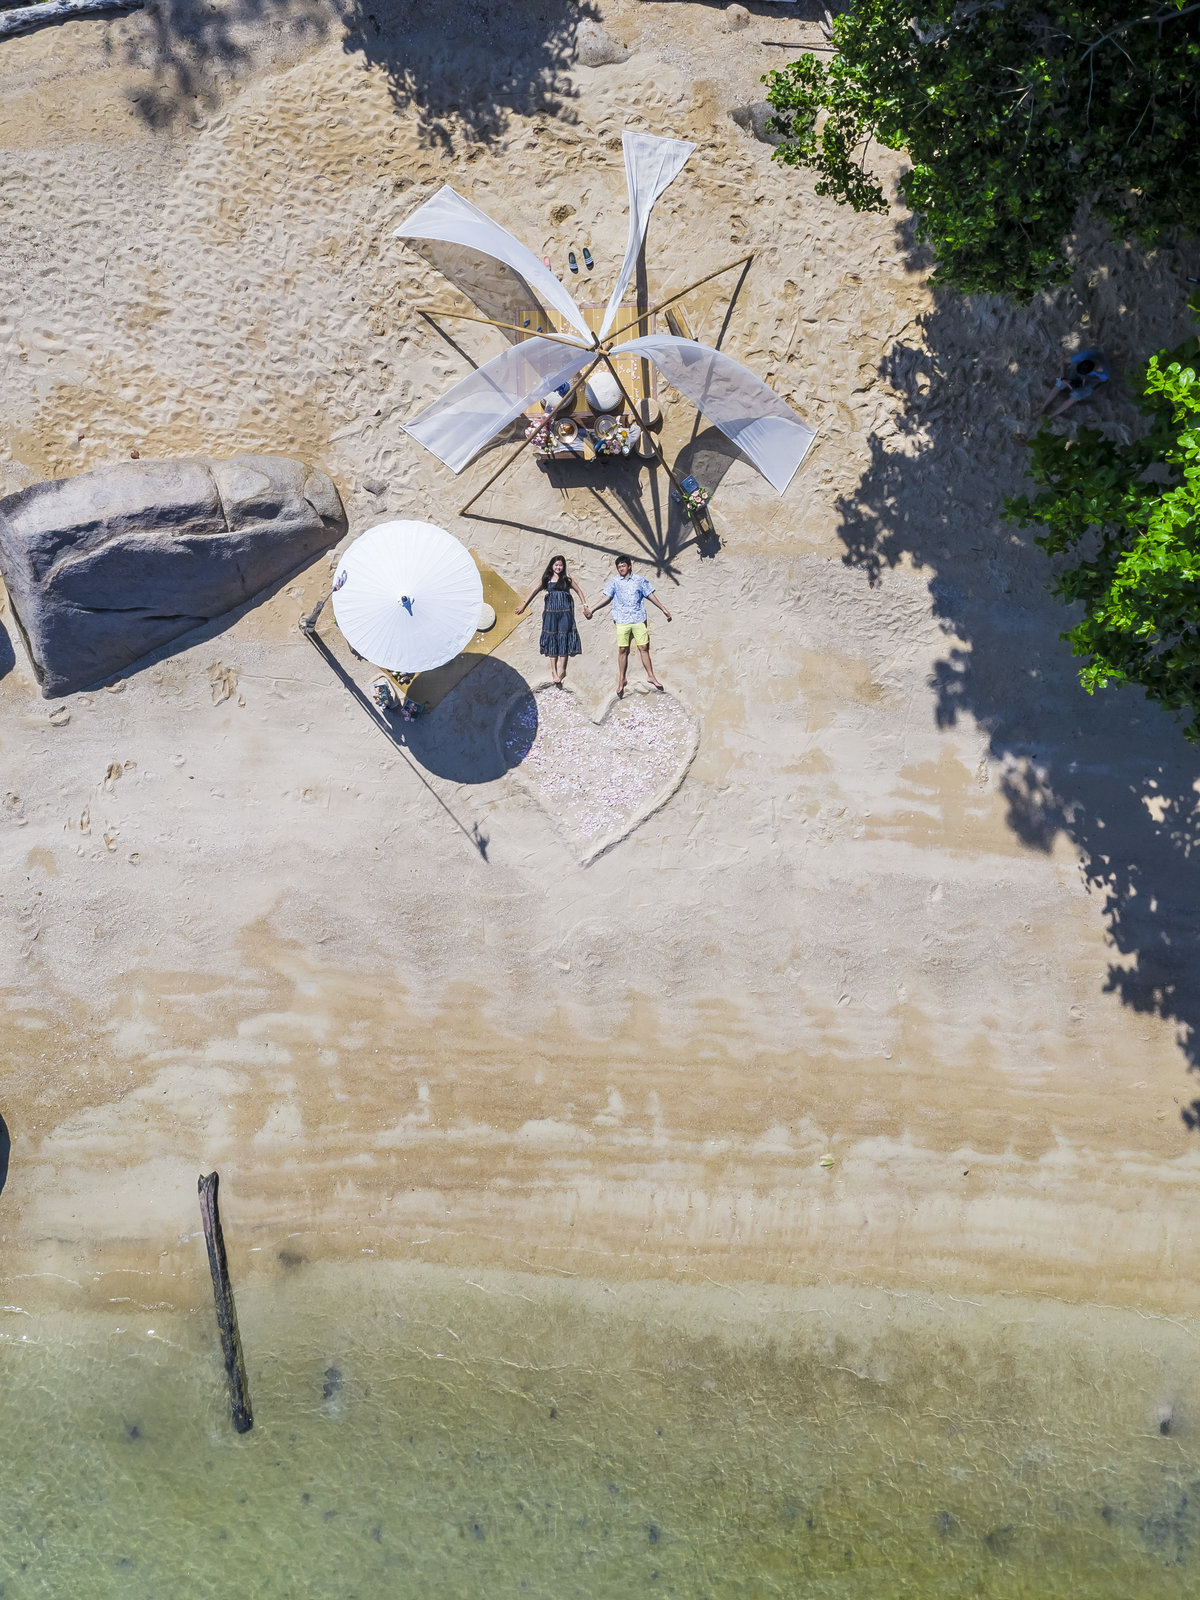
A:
[637,631]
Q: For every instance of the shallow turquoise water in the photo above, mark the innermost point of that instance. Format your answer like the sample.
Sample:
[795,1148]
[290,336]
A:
[424,1433]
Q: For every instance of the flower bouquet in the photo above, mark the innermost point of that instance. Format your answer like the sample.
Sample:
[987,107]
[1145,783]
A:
[538,432]
[692,497]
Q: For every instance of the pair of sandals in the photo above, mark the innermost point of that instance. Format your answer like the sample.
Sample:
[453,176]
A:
[587,260]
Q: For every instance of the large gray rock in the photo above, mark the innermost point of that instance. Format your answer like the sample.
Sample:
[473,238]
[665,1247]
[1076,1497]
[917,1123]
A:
[754,119]
[102,568]
[595,47]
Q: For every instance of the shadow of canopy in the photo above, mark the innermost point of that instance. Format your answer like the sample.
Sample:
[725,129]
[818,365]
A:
[465,69]
[1110,773]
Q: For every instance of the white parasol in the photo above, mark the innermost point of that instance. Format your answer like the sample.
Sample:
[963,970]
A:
[407,596]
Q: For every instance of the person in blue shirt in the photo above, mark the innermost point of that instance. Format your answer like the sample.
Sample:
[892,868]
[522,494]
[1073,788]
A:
[628,596]
[1082,375]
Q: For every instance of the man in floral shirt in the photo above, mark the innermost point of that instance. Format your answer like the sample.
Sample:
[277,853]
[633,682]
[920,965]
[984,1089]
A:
[629,595]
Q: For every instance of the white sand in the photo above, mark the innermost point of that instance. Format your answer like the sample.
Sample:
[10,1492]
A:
[381,993]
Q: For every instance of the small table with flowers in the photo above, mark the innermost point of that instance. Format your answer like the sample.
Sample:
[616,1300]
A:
[582,431]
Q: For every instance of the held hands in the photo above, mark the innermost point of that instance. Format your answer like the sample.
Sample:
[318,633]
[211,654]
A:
[587,613]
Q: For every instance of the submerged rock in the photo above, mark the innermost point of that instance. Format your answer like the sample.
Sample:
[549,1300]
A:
[105,567]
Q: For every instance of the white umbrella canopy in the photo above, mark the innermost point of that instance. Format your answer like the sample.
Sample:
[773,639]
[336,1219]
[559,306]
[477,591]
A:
[407,596]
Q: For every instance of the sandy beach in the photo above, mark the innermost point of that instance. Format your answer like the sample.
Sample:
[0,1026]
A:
[741,1141]
[917,903]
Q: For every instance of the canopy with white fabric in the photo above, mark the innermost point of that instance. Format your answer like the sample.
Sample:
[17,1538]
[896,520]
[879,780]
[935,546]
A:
[458,425]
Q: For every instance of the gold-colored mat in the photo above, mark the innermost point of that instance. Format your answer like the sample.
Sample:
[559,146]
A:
[430,688]
[639,377]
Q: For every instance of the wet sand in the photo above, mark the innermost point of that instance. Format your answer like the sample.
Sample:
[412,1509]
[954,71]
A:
[918,903]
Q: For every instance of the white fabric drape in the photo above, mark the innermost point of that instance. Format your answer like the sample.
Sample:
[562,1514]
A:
[474,411]
[763,426]
[453,220]
[650,165]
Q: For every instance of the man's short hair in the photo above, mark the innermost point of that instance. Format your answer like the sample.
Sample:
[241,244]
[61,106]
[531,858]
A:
[624,561]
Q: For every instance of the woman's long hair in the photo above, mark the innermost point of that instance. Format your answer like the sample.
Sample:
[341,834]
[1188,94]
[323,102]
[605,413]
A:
[548,575]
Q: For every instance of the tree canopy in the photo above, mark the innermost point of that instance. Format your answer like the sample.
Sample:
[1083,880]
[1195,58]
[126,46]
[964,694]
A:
[1125,519]
[1012,112]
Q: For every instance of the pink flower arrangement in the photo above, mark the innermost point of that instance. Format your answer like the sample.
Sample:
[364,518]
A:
[538,433]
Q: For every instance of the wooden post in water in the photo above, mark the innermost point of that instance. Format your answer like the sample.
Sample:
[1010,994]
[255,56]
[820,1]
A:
[231,1344]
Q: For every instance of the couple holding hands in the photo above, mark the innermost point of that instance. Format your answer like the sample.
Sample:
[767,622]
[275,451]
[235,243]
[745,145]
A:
[628,595]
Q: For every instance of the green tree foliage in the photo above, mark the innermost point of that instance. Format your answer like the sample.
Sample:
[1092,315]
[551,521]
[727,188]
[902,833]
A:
[1012,112]
[1125,519]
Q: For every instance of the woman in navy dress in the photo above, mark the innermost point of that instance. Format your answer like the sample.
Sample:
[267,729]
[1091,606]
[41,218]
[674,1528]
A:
[560,637]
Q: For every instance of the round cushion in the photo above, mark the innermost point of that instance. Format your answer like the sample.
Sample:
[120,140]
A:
[649,414]
[603,391]
[487,618]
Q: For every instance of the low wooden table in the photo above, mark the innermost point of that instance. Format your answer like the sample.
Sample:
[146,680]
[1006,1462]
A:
[638,376]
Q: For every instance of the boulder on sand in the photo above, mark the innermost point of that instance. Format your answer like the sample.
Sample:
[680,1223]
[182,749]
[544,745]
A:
[755,118]
[102,568]
[594,47]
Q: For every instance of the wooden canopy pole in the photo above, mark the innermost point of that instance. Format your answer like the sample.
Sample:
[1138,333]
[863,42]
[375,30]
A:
[500,471]
[653,441]
[557,338]
[654,310]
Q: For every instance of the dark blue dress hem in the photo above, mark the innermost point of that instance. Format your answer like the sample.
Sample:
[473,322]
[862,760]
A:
[560,637]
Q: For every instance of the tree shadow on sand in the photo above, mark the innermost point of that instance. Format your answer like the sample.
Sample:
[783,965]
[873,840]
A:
[465,69]
[1109,773]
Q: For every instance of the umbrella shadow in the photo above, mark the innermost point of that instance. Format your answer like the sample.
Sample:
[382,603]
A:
[5,1147]
[457,739]
[391,731]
